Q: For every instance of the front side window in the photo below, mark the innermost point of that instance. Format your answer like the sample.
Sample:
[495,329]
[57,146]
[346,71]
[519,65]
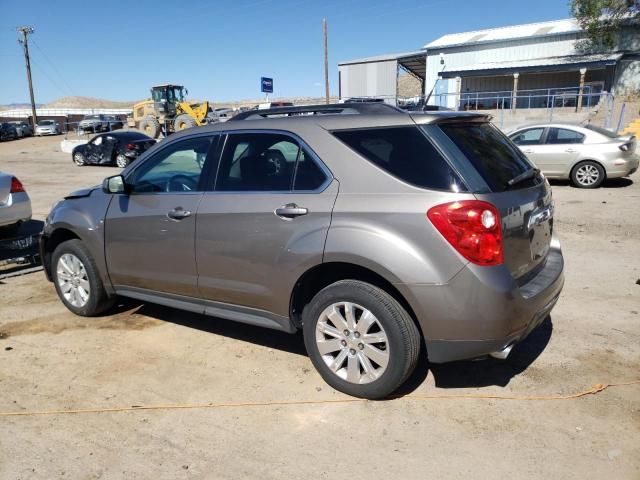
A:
[532,136]
[263,162]
[177,168]
[559,136]
[405,153]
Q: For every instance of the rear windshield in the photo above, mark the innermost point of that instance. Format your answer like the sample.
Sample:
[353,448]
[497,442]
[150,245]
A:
[493,155]
[405,153]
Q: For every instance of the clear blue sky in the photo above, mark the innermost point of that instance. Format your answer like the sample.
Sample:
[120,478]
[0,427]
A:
[219,49]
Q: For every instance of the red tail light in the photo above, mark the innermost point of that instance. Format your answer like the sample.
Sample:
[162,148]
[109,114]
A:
[472,227]
[130,146]
[16,185]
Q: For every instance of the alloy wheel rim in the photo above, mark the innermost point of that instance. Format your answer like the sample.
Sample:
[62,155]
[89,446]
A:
[121,161]
[352,342]
[73,280]
[587,175]
[78,159]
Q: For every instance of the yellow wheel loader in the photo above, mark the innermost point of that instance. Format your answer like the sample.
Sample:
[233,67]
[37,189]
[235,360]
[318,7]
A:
[167,111]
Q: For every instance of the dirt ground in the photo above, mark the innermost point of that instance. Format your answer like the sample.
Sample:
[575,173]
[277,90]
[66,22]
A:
[149,355]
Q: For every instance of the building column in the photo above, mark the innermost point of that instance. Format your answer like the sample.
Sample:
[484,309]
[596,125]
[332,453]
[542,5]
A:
[514,94]
[583,73]
[458,90]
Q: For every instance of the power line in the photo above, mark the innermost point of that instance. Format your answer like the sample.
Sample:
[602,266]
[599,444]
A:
[55,69]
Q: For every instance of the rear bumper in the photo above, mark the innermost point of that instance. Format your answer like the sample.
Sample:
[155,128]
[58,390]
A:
[16,209]
[623,166]
[483,309]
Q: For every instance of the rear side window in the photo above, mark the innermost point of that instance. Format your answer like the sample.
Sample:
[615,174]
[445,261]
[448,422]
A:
[266,162]
[405,153]
[493,155]
[532,136]
[563,136]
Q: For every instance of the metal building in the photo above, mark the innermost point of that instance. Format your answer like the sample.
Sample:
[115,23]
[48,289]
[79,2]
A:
[523,66]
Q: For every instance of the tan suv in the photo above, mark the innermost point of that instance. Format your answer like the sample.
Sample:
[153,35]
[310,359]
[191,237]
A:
[373,230]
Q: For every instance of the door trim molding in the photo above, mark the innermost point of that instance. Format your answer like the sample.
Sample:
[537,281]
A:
[237,313]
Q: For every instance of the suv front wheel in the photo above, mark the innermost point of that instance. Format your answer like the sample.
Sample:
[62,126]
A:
[77,281]
[360,339]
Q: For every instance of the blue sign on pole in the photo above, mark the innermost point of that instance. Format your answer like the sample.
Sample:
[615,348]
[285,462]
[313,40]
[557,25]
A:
[266,85]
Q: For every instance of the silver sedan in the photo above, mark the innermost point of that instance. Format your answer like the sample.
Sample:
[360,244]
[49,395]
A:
[586,155]
[15,204]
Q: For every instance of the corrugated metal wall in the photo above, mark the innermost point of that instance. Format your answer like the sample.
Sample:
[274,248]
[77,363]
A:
[524,49]
[376,79]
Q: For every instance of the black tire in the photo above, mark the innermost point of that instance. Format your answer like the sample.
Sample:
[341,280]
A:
[403,336]
[588,174]
[150,126]
[79,159]
[98,301]
[121,160]
[184,121]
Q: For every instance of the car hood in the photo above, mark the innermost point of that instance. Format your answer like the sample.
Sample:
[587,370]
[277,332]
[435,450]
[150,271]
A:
[85,192]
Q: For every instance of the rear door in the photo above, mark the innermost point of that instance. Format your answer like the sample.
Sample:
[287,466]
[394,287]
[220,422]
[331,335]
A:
[561,149]
[266,221]
[149,233]
[526,208]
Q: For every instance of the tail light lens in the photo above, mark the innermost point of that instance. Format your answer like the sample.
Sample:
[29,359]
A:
[130,146]
[473,228]
[16,185]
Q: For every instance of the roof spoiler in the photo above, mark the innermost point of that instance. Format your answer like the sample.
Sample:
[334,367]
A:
[327,109]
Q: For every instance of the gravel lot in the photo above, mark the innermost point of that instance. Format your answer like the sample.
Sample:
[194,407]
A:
[149,355]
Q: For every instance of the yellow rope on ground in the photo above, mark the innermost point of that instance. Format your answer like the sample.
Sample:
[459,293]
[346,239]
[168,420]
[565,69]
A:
[596,388]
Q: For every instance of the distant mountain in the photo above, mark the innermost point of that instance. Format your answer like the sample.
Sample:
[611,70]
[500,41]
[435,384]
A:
[88,102]
[13,106]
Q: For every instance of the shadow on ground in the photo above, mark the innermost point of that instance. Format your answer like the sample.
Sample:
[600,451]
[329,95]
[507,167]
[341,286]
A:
[464,374]
[483,372]
[227,328]
[608,183]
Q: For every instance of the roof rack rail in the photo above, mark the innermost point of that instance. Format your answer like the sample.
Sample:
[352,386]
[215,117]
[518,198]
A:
[326,109]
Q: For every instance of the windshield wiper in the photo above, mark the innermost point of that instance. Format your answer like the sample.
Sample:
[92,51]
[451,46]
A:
[533,172]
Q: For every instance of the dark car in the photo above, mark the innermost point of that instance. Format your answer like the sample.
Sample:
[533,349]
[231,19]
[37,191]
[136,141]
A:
[114,122]
[8,132]
[114,148]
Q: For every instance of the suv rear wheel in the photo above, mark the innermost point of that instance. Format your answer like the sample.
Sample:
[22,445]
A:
[360,339]
[77,281]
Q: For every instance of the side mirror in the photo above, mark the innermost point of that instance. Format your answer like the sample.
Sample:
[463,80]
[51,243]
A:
[115,184]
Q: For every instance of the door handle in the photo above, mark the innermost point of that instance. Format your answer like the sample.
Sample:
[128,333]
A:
[528,151]
[178,213]
[570,150]
[290,211]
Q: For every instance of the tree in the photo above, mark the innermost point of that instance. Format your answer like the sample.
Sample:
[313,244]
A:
[603,19]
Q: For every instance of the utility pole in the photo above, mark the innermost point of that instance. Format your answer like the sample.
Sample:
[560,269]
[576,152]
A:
[25,46]
[326,61]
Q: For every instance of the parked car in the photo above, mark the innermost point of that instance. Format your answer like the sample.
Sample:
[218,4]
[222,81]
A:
[267,105]
[114,148]
[219,115]
[47,127]
[15,204]
[586,155]
[114,123]
[23,129]
[94,123]
[369,232]
[7,131]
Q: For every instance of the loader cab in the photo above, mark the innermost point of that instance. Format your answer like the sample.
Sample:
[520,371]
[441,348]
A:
[166,98]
